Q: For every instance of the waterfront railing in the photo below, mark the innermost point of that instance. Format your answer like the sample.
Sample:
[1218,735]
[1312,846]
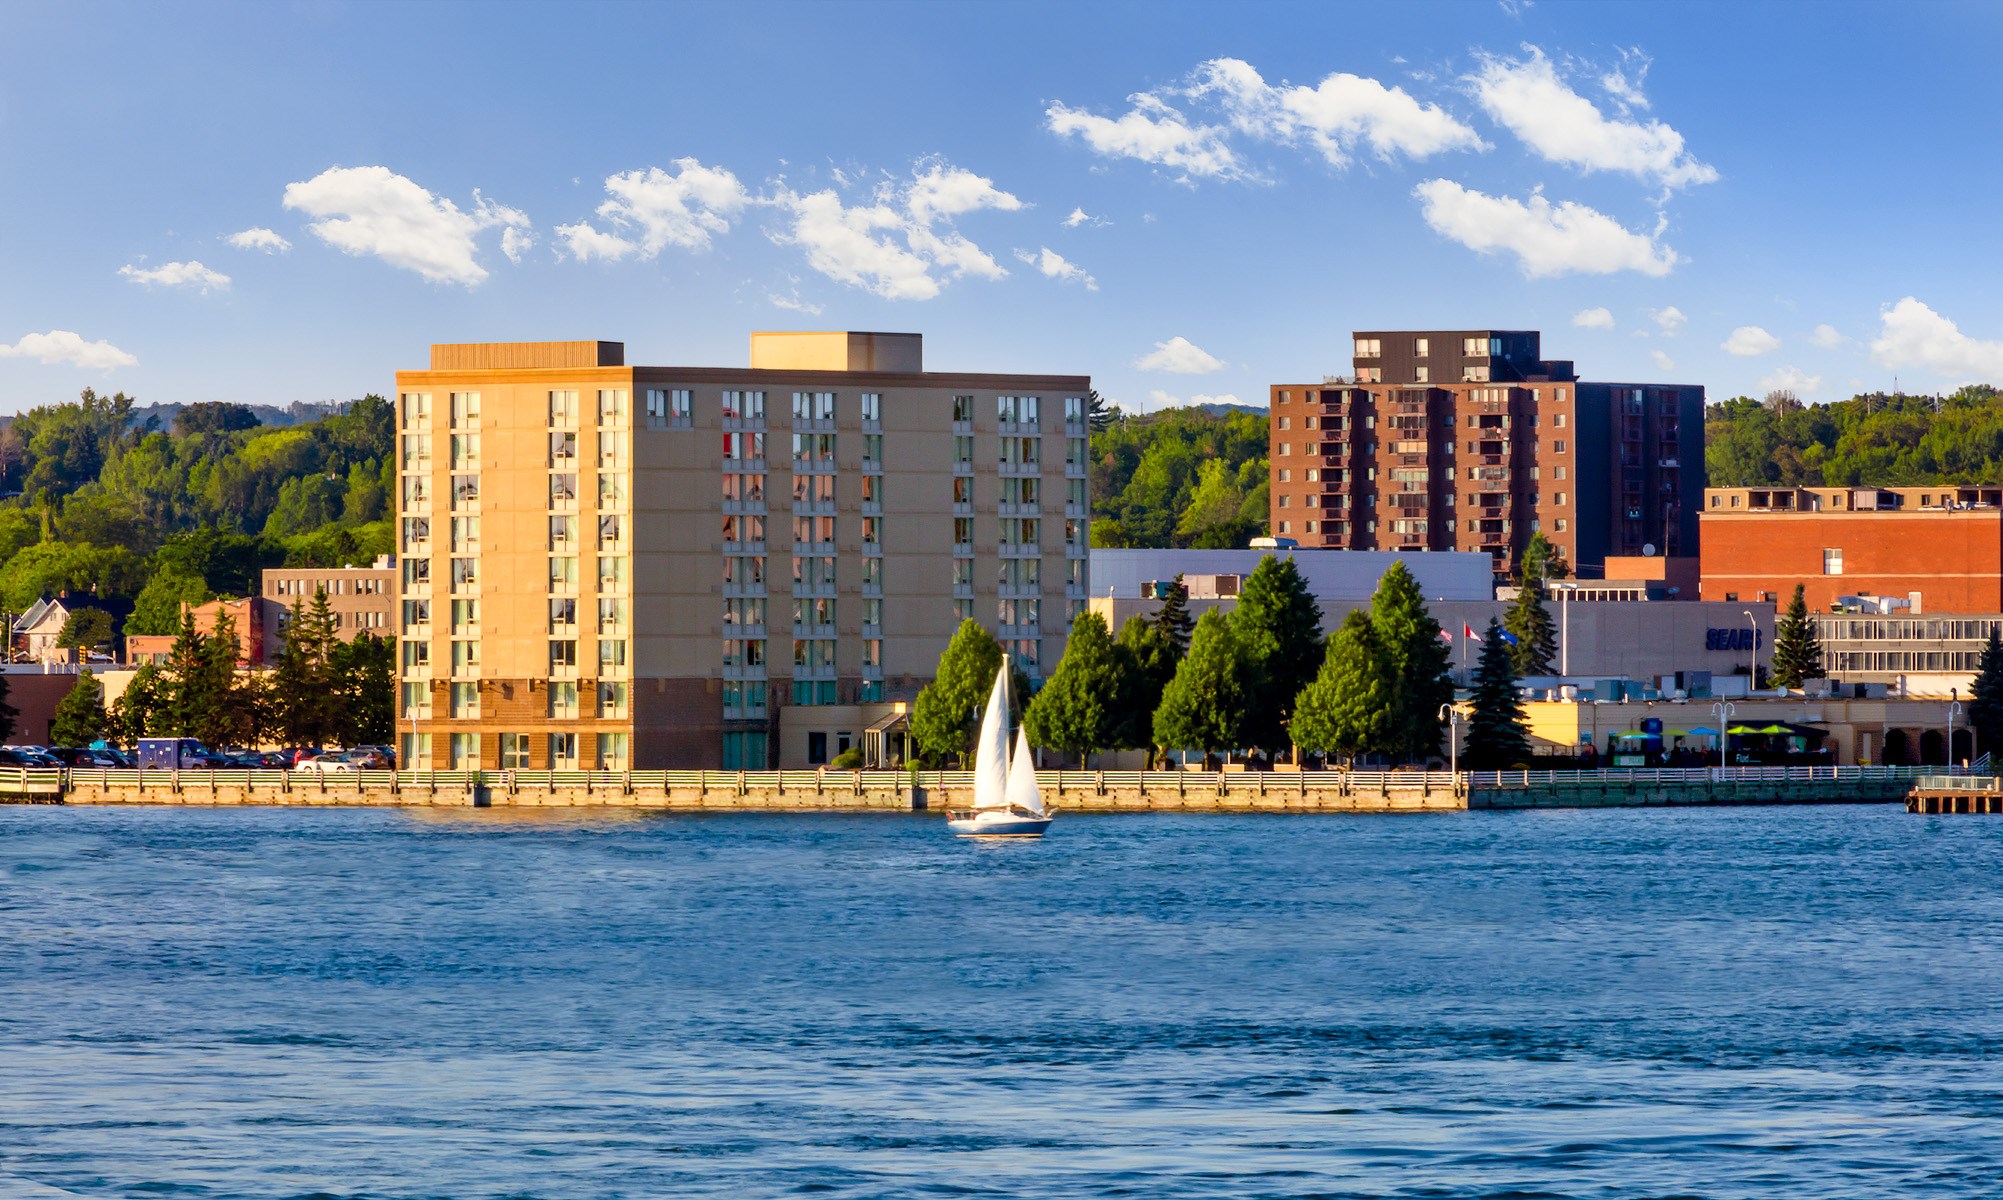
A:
[1056,784]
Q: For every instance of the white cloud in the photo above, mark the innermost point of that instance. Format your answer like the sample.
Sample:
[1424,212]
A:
[1151,131]
[1792,379]
[1671,319]
[1627,92]
[899,243]
[1080,217]
[1056,266]
[653,209]
[1662,361]
[516,241]
[1340,117]
[62,346]
[1593,318]
[1749,341]
[1547,239]
[1179,356]
[1527,97]
[793,303]
[1826,337]
[178,274]
[1913,335]
[1337,116]
[259,238]
[373,210]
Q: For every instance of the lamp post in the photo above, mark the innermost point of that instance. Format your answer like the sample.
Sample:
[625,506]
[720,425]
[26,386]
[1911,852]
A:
[1754,646]
[1723,710]
[1452,716]
[1953,711]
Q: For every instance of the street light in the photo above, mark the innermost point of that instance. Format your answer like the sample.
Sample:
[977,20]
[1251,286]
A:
[1953,711]
[1452,716]
[1723,710]
[1754,645]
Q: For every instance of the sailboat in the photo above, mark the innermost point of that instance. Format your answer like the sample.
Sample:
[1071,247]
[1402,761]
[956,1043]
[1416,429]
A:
[1007,802]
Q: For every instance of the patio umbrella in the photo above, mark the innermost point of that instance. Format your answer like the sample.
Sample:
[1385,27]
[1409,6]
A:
[1739,729]
[1776,729]
[1676,733]
[1703,731]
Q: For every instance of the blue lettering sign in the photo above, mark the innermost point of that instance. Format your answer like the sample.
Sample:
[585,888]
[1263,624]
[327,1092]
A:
[1734,640]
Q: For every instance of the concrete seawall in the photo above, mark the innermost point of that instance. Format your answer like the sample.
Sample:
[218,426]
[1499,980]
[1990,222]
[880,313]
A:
[934,792]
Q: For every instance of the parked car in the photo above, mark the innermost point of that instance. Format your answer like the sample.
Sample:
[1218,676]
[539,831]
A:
[327,764]
[35,756]
[10,757]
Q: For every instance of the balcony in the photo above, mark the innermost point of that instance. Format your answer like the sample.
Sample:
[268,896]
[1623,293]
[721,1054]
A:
[814,549]
[743,590]
[816,671]
[802,633]
[744,672]
[1020,470]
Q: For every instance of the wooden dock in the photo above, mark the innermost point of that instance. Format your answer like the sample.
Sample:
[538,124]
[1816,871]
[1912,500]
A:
[1943,794]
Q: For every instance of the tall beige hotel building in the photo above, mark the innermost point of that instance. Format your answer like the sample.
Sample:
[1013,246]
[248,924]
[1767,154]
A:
[615,567]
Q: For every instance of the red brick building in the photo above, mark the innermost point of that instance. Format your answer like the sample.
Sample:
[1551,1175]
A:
[1472,440]
[1926,549]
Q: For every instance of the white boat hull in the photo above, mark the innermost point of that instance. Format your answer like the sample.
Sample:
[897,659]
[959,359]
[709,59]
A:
[997,824]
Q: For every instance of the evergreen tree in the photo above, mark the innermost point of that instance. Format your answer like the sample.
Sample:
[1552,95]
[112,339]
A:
[1078,710]
[942,721]
[1529,622]
[1542,561]
[292,682]
[1172,618]
[80,718]
[86,629]
[1418,656]
[1278,626]
[1497,736]
[10,717]
[1346,709]
[1797,651]
[365,673]
[174,713]
[1203,707]
[209,706]
[1985,699]
[1146,663]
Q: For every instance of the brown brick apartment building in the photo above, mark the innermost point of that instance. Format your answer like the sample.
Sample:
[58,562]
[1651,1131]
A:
[1939,549]
[612,566]
[362,599]
[1469,440]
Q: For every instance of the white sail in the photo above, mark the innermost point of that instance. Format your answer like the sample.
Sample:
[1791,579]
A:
[991,750]
[1022,791]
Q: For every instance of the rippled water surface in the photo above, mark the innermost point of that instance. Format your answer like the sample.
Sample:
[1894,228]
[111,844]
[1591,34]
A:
[271,1003]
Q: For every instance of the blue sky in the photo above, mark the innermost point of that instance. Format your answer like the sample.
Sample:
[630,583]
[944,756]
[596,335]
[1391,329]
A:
[280,202]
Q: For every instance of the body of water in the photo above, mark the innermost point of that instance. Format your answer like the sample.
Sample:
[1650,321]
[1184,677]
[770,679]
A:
[340,1004]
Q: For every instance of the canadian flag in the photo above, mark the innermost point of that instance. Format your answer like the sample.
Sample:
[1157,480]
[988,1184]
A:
[1467,631]
[1446,637]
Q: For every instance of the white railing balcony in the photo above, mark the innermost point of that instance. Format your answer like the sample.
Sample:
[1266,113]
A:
[820,671]
[752,590]
[750,547]
[804,633]
[740,671]
[1018,470]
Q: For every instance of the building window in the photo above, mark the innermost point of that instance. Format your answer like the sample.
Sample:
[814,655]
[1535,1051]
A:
[1421,374]
[465,700]
[611,699]
[563,408]
[611,752]
[465,658]
[563,702]
[1368,348]
[465,752]
[963,409]
[514,752]
[563,750]
[612,406]
[416,410]
[465,616]
[563,656]
[872,406]
[563,615]
[1832,561]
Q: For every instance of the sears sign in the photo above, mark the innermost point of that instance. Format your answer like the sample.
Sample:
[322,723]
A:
[1739,639]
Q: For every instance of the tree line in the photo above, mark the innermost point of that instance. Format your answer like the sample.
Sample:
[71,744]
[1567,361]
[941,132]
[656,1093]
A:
[141,518]
[321,691]
[1179,477]
[1262,679]
[1870,440]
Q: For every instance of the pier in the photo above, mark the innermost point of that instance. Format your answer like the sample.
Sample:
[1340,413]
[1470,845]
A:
[1944,794]
[934,791]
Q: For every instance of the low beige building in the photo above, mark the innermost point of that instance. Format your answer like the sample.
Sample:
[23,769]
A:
[1880,732]
[362,599]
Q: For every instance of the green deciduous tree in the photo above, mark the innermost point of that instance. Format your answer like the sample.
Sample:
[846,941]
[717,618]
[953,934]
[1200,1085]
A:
[10,717]
[1078,709]
[364,671]
[1203,707]
[942,721]
[1529,622]
[1418,658]
[1497,736]
[1146,662]
[80,718]
[86,629]
[1797,651]
[1278,627]
[157,611]
[139,708]
[1346,708]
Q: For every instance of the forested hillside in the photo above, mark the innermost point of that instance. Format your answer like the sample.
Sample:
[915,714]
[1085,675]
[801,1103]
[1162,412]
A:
[1180,477]
[140,514]
[1874,439]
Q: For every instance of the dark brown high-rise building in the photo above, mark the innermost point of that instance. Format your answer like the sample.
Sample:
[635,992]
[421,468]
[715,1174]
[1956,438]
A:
[1469,440]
